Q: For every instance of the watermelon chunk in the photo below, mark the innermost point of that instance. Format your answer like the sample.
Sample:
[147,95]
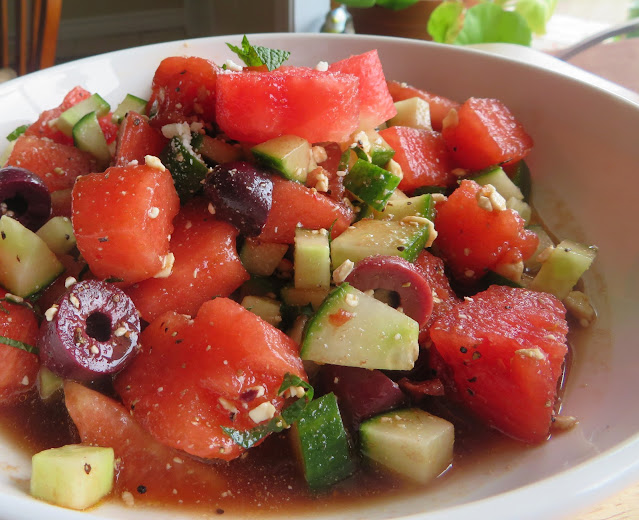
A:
[18,368]
[206,265]
[485,133]
[439,105]
[257,106]
[375,102]
[183,89]
[122,221]
[192,377]
[58,165]
[502,353]
[423,156]
[144,463]
[473,240]
[294,203]
[137,139]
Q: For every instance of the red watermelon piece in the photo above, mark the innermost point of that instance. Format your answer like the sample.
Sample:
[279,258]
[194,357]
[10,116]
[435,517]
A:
[58,165]
[485,133]
[375,102]
[439,105]
[192,377]
[423,156]
[122,220]
[294,204]
[473,240]
[206,265]
[143,461]
[501,355]
[137,139]
[258,106]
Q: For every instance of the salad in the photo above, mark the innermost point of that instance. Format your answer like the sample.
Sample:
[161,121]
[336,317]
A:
[275,281]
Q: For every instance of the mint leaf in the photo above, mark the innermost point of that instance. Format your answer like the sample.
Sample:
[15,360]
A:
[291,414]
[489,23]
[19,344]
[445,22]
[17,132]
[254,56]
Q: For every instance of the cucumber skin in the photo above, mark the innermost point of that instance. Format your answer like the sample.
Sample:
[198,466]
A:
[188,173]
[370,183]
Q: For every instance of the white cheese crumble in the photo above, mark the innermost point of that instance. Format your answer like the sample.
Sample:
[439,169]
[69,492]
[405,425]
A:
[69,282]
[50,313]
[341,273]
[153,212]
[321,66]
[533,353]
[319,154]
[231,65]
[154,162]
[351,300]
[167,266]
[263,412]
[394,167]
[228,405]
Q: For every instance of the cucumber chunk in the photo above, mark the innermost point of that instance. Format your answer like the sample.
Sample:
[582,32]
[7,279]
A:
[27,265]
[545,241]
[521,178]
[49,384]
[185,164]
[370,183]
[562,269]
[410,442]
[301,297]
[370,237]
[321,442]
[261,258]
[72,476]
[419,206]
[70,117]
[57,233]
[380,151]
[289,155]
[217,151]
[502,183]
[413,112]
[130,103]
[312,259]
[354,329]
[266,308]
[88,136]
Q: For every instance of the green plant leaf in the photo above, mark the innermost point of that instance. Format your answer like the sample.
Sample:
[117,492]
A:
[17,132]
[536,13]
[489,23]
[359,3]
[254,56]
[445,22]
[396,5]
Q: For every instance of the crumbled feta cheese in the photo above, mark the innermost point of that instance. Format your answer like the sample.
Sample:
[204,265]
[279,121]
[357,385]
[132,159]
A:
[533,353]
[489,199]
[319,154]
[154,162]
[361,139]
[153,212]
[69,282]
[231,65]
[564,422]
[25,381]
[578,304]
[394,167]
[167,266]
[321,66]
[127,498]
[322,183]
[351,300]
[263,412]
[228,405]
[511,271]
[50,313]
[341,273]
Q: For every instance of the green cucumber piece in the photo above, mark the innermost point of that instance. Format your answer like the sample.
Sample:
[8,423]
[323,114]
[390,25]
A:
[370,237]
[370,183]
[521,207]
[493,278]
[419,206]
[57,233]
[431,189]
[502,183]
[27,265]
[521,178]
[185,164]
[70,117]
[289,155]
[312,259]
[321,442]
[261,258]
[49,384]
[545,241]
[4,156]
[562,269]
[353,329]
[72,476]
[413,112]
[88,136]
[301,297]
[369,144]
[17,132]
[410,442]
[266,308]
[130,103]
[217,151]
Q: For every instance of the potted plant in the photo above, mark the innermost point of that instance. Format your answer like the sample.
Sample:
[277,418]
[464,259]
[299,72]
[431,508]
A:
[453,21]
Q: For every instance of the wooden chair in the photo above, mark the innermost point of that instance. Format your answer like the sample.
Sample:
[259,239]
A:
[36,25]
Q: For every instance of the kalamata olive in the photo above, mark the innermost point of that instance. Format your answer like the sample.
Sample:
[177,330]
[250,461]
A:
[92,332]
[361,393]
[241,193]
[24,197]
[395,274]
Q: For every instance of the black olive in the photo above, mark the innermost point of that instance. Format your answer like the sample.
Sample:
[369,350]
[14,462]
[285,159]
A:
[94,332]
[24,197]
[241,194]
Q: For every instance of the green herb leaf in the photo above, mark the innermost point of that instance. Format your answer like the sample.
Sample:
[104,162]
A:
[536,13]
[361,154]
[396,5]
[359,3]
[19,344]
[489,23]
[254,56]
[445,22]
[291,414]
[17,132]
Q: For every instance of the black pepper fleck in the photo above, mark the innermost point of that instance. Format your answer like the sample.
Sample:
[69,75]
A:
[4,235]
[472,379]
[400,248]
[470,392]
[463,350]
[141,489]
[103,239]
[219,511]
[87,468]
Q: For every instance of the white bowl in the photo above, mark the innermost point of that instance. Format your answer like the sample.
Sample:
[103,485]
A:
[586,151]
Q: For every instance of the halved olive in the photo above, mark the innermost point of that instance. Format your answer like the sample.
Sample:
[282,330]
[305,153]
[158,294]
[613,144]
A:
[24,197]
